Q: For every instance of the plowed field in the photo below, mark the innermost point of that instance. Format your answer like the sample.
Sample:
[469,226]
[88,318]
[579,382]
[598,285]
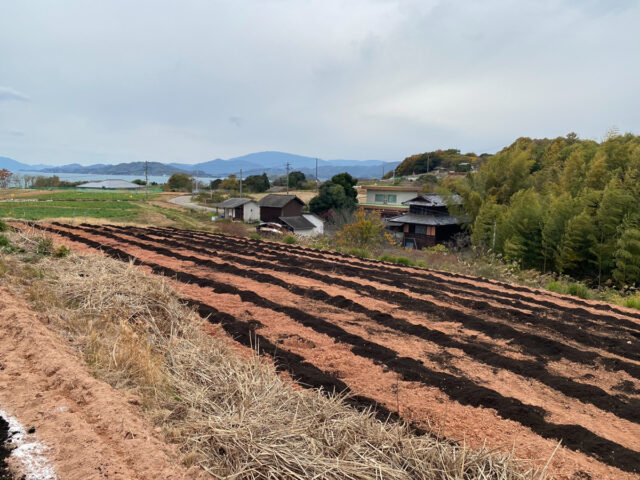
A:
[467,359]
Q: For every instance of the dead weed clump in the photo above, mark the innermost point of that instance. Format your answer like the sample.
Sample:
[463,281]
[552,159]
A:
[232,416]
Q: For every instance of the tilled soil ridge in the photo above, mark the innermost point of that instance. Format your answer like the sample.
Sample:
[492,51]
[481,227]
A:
[474,359]
[91,430]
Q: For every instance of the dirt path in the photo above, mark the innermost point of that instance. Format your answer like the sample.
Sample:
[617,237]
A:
[185,201]
[91,431]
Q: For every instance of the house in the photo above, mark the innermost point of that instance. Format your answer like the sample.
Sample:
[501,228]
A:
[307,224]
[275,206]
[428,221]
[388,200]
[111,185]
[243,209]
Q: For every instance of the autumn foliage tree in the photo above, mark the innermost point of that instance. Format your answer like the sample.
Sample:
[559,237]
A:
[5,178]
[367,232]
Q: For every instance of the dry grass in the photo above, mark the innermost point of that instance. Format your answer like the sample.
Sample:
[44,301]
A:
[233,228]
[233,416]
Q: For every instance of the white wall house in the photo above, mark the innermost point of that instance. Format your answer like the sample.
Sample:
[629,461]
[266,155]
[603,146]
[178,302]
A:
[243,209]
[391,196]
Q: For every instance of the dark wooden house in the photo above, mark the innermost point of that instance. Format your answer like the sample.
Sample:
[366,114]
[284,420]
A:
[274,206]
[428,221]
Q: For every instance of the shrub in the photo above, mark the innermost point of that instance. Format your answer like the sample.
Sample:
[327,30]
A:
[290,240]
[399,260]
[4,242]
[439,248]
[359,252]
[255,236]
[367,231]
[62,251]
[3,226]
[578,290]
[632,302]
[555,286]
[44,247]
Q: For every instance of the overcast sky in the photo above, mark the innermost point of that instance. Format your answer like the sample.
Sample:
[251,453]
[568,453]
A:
[114,81]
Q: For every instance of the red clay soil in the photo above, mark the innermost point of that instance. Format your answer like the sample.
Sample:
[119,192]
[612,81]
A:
[464,358]
[91,430]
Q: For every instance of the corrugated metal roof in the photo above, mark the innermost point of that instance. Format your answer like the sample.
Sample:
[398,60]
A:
[432,200]
[425,219]
[297,222]
[277,201]
[110,184]
[234,202]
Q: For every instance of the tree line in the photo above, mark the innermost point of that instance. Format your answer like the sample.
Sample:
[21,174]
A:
[566,205]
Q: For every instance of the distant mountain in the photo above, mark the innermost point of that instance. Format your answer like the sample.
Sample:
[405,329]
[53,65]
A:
[132,168]
[272,163]
[13,165]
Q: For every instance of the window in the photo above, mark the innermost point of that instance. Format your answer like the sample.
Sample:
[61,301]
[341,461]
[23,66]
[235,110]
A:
[392,199]
[380,197]
[421,229]
[431,231]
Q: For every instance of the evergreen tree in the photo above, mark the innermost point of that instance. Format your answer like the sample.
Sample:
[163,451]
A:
[627,257]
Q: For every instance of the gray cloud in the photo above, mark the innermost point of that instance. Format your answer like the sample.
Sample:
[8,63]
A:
[8,94]
[123,81]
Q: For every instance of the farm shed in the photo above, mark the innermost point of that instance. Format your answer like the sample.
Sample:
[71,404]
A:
[243,209]
[307,225]
[428,221]
[111,185]
[275,206]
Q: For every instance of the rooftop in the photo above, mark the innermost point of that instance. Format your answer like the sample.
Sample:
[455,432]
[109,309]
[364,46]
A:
[425,219]
[297,222]
[277,201]
[433,200]
[234,202]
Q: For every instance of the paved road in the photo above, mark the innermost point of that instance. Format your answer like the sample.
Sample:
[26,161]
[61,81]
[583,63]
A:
[185,201]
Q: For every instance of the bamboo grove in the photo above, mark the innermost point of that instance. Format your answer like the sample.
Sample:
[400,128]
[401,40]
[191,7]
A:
[566,205]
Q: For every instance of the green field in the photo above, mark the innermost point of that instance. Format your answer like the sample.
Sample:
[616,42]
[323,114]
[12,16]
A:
[116,206]
[78,195]
[116,210]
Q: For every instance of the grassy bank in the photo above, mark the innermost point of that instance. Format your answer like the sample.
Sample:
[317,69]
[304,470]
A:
[95,206]
[228,412]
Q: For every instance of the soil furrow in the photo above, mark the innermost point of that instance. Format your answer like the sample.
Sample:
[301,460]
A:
[627,409]
[541,346]
[515,307]
[438,276]
[459,389]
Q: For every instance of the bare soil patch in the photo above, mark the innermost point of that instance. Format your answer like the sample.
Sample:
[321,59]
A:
[90,429]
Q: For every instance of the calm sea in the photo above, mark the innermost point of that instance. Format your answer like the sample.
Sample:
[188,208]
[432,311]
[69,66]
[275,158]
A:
[88,177]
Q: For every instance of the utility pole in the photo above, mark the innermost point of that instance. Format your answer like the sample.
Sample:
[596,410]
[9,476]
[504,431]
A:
[146,180]
[393,182]
[428,160]
[316,175]
[382,172]
[288,177]
[240,183]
